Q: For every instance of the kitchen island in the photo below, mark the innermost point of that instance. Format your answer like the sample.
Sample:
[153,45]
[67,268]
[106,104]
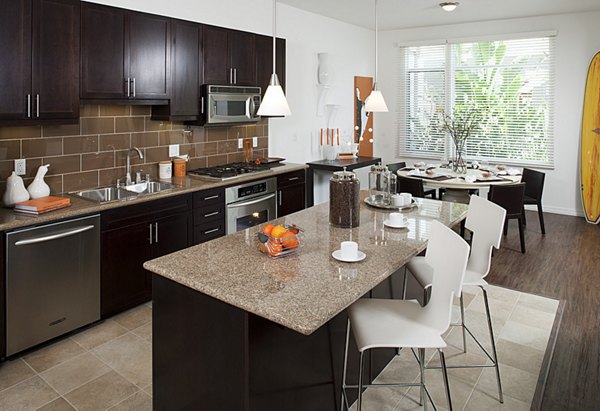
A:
[236,330]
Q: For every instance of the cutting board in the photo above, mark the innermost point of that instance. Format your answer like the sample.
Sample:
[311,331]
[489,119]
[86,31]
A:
[590,144]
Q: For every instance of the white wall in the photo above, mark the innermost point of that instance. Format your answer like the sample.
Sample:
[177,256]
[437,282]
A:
[576,43]
[350,53]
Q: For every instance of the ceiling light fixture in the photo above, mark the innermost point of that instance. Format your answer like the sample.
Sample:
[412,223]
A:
[274,103]
[375,101]
[449,5]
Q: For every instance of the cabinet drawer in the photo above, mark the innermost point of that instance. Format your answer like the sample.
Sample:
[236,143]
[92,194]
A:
[205,197]
[293,178]
[209,213]
[208,231]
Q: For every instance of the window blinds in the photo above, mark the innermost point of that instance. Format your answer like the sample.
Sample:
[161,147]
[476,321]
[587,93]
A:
[510,83]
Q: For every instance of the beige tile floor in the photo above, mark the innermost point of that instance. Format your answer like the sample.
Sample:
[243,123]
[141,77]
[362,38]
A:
[522,325]
[109,366]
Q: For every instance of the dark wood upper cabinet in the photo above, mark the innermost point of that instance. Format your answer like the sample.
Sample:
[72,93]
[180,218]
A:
[124,55]
[39,42]
[229,57]
[185,71]
[264,61]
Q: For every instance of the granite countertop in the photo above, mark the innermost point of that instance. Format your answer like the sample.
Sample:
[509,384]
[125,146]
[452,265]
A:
[10,219]
[305,290]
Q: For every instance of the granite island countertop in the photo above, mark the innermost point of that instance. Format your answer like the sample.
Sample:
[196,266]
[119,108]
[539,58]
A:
[9,219]
[305,290]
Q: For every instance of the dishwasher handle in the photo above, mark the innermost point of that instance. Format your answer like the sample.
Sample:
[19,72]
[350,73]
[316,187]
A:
[55,236]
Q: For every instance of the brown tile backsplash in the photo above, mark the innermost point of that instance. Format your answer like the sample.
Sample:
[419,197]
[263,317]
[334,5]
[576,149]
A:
[94,152]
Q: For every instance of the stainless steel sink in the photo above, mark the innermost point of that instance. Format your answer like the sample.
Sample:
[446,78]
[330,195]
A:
[107,194]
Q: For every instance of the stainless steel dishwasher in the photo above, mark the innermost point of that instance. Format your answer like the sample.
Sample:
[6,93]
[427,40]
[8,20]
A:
[52,281]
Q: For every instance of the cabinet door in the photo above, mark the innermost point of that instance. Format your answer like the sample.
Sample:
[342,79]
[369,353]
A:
[55,66]
[264,61]
[102,52]
[172,234]
[147,46]
[215,55]
[290,199]
[125,283]
[242,58]
[15,64]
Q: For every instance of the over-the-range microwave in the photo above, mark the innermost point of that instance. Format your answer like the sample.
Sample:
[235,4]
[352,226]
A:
[222,105]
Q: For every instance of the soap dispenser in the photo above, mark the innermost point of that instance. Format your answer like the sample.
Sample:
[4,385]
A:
[15,191]
[38,188]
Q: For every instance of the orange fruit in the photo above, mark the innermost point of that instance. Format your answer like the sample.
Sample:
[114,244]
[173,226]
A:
[294,230]
[289,240]
[275,247]
[267,229]
[278,231]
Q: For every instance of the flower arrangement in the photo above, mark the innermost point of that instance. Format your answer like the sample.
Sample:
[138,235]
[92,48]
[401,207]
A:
[463,122]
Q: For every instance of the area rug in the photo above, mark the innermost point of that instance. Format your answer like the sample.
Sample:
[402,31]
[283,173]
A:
[525,327]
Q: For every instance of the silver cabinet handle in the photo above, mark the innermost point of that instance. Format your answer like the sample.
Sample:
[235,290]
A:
[54,236]
[37,105]
[156,232]
[230,76]
[128,87]
[150,232]
[234,76]
[211,197]
[280,198]
[133,82]
[28,105]
[258,200]
[293,178]
[212,214]
[212,231]
[202,105]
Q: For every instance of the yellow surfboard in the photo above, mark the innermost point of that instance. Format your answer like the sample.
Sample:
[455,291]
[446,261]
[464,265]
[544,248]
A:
[590,144]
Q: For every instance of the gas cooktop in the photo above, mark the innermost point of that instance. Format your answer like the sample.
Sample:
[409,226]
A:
[228,171]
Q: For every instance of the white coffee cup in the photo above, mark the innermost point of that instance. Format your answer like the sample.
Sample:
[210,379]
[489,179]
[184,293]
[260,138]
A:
[349,250]
[407,198]
[397,219]
[397,200]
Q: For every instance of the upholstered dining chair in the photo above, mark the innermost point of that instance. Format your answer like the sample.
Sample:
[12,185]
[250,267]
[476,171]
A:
[414,186]
[486,221]
[394,167]
[383,323]
[510,197]
[534,188]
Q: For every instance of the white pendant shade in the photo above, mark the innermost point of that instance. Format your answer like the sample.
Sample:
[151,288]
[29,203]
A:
[274,103]
[375,102]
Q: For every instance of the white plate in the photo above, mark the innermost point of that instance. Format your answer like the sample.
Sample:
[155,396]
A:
[388,223]
[337,254]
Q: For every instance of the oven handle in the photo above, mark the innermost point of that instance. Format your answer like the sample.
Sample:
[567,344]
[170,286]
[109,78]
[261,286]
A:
[258,200]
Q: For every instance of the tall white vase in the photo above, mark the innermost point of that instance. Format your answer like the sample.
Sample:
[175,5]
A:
[38,187]
[15,191]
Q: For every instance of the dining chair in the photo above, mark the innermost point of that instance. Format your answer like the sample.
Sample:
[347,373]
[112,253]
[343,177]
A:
[414,186]
[389,323]
[510,197]
[394,167]
[534,187]
[485,220]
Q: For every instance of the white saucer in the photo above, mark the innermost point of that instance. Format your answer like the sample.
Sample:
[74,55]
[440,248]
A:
[337,254]
[388,223]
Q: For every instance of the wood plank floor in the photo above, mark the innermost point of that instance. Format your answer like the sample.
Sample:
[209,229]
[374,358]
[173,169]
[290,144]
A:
[564,264]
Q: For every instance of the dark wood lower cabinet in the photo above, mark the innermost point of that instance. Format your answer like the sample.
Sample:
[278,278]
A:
[291,193]
[2,300]
[210,355]
[133,235]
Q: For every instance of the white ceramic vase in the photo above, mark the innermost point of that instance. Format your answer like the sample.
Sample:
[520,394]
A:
[38,187]
[15,191]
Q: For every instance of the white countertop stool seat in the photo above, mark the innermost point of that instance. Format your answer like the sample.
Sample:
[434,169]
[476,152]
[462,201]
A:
[387,323]
[486,221]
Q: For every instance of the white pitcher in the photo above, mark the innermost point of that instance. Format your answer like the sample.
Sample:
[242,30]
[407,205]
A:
[38,187]
[15,191]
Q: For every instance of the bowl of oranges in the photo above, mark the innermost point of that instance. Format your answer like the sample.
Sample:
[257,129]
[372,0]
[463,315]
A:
[280,240]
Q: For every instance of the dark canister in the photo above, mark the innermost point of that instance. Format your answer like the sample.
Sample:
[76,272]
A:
[344,210]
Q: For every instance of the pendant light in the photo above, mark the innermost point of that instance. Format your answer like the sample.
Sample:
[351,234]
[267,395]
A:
[274,103]
[375,101]
[449,5]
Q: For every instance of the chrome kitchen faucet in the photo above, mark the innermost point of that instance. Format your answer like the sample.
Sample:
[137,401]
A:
[140,154]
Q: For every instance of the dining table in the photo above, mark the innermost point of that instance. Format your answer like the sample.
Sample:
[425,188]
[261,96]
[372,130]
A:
[235,329]
[458,185]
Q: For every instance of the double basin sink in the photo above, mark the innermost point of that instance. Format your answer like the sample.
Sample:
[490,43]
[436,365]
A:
[128,192]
